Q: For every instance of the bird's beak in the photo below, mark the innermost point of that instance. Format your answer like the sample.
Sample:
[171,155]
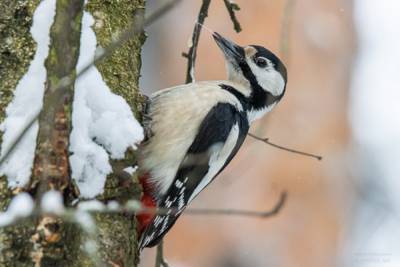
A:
[232,51]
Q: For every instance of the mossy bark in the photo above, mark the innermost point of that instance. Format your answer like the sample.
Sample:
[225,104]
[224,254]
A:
[47,240]
[121,72]
[17,49]
[17,46]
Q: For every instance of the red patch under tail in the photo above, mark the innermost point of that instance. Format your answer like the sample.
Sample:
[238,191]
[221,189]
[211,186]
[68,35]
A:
[147,200]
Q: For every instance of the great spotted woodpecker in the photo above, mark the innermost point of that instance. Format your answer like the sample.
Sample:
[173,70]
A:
[197,128]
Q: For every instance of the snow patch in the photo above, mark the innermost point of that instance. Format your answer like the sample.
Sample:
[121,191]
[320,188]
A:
[131,170]
[85,221]
[91,247]
[102,122]
[113,205]
[21,206]
[91,205]
[52,202]
[27,102]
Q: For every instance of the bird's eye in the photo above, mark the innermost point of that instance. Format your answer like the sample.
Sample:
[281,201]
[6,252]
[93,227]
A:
[261,62]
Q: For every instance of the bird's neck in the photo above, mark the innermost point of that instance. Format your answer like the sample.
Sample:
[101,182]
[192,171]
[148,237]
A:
[255,100]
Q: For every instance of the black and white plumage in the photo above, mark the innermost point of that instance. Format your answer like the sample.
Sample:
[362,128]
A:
[198,128]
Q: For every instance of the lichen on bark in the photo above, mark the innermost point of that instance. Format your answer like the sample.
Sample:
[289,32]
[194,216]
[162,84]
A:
[121,71]
[17,49]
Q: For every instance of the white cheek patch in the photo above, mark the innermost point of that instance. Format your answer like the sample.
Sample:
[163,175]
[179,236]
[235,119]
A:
[268,78]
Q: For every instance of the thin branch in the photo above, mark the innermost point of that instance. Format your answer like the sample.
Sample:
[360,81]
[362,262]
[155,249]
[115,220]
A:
[246,213]
[101,54]
[266,140]
[221,212]
[160,261]
[191,55]
[135,207]
[232,8]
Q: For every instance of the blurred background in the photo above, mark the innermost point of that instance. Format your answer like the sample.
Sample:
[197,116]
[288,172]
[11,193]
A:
[342,102]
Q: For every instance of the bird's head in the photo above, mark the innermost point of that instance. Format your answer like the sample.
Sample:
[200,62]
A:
[260,71]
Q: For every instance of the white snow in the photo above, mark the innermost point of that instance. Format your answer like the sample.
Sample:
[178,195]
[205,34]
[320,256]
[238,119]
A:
[375,117]
[90,247]
[52,202]
[134,205]
[131,170]
[91,205]
[103,122]
[27,102]
[113,205]
[86,221]
[21,206]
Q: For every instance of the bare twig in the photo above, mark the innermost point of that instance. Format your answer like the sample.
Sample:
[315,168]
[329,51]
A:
[245,213]
[191,55]
[135,207]
[266,140]
[135,28]
[160,261]
[232,8]
[198,211]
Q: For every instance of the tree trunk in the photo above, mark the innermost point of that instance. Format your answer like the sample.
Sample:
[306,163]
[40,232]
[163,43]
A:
[46,240]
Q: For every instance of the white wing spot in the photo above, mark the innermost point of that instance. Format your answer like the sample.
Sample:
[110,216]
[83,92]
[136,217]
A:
[158,220]
[164,226]
[148,239]
[181,202]
[178,184]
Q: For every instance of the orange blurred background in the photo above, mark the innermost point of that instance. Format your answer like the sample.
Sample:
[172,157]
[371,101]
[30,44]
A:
[311,117]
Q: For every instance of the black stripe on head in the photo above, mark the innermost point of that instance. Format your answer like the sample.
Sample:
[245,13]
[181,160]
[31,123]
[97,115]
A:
[259,98]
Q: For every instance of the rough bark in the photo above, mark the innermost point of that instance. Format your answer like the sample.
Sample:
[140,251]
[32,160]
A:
[121,72]
[47,240]
[17,49]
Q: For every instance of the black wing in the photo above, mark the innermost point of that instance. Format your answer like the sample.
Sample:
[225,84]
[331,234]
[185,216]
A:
[214,131]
